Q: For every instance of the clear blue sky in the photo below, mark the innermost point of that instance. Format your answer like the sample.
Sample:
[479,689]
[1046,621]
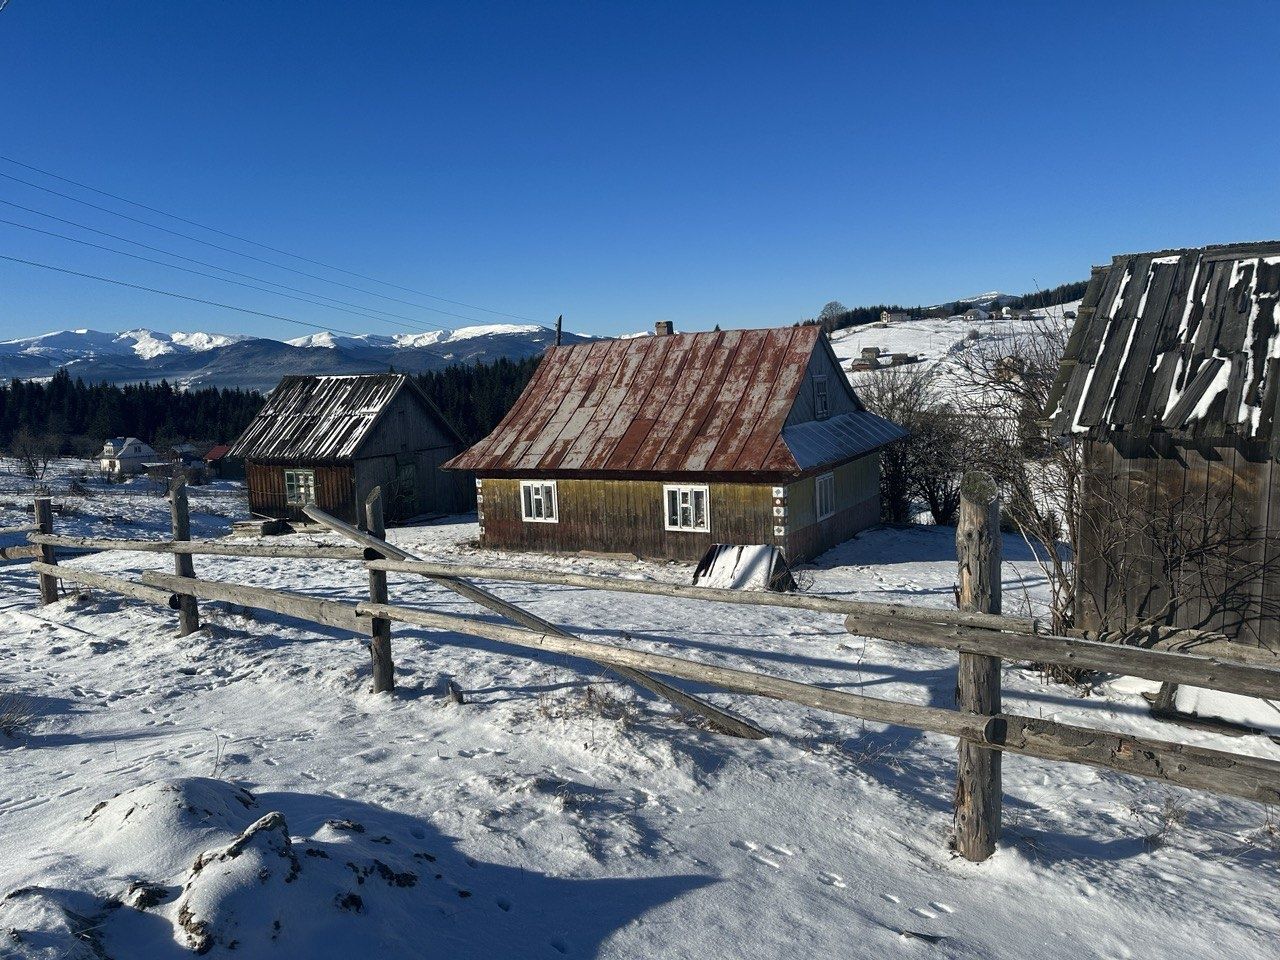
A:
[708,163]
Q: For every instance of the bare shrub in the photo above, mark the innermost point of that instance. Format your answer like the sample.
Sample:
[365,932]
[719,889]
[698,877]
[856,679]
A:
[15,714]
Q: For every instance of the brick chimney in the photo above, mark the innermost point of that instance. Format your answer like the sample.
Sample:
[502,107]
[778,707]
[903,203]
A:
[664,328]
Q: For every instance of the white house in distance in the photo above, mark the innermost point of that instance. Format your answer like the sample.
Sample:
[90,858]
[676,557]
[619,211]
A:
[124,456]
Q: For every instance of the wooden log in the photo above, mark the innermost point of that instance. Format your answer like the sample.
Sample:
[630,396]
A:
[183,566]
[1197,643]
[721,720]
[380,627]
[126,588]
[978,781]
[217,548]
[28,552]
[44,523]
[1177,764]
[329,613]
[28,528]
[1163,665]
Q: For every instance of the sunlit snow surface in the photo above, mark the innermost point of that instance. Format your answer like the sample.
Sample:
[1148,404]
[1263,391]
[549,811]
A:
[540,820]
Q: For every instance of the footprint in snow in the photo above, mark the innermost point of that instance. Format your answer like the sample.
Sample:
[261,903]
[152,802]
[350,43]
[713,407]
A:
[833,880]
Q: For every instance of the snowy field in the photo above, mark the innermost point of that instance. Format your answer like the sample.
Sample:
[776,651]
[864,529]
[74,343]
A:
[241,791]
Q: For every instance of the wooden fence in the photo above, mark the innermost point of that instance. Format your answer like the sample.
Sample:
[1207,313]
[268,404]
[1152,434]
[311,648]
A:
[981,636]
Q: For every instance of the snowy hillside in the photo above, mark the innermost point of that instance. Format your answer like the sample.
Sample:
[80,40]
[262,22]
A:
[240,791]
[205,359]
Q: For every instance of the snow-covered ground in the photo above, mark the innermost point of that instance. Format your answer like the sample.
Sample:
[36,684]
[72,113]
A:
[241,790]
[937,341]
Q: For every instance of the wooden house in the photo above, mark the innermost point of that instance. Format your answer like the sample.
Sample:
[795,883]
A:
[330,440]
[124,456]
[1171,380]
[661,446]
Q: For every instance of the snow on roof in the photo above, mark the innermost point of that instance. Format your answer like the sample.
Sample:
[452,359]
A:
[1186,341]
[320,418]
[682,403]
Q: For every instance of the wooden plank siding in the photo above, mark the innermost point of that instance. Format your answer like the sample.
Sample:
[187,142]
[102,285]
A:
[1177,497]
[627,516]
[335,490]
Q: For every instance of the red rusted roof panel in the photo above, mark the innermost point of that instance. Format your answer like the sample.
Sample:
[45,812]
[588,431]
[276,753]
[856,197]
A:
[694,402]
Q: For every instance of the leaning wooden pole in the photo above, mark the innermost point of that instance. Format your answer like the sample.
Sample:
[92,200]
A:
[44,524]
[384,679]
[978,787]
[721,720]
[180,516]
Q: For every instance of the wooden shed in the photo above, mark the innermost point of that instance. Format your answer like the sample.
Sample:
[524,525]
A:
[660,446]
[330,440]
[1171,380]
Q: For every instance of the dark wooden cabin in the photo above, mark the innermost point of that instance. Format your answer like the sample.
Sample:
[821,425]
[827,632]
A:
[330,440]
[1171,378]
[660,446]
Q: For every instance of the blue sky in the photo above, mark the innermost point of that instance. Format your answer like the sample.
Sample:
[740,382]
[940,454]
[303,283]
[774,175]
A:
[707,163]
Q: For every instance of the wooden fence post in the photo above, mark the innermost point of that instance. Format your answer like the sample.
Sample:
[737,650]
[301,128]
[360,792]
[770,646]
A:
[188,611]
[978,549]
[44,524]
[384,677]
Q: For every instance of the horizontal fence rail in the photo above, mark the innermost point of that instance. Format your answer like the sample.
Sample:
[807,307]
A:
[213,548]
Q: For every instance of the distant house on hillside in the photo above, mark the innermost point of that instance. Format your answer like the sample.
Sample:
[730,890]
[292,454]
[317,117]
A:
[1171,377]
[887,316]
[660,446]
[330,440]
[124,456]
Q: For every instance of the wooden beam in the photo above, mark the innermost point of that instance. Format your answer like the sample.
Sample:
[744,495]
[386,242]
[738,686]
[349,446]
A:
[87,578]
[44,523]
[979,793]
[384,673]
[1162,665]
[218,548]
[28,552]
[183,566]
[722,720]
[758,598]
[329,613]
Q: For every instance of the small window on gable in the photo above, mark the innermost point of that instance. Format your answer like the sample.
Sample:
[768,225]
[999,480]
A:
[824,495]
[821,400]
[687,508]
[538,501]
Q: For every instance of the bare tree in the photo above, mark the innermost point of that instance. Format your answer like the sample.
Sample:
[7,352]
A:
[33,453]
[832,312]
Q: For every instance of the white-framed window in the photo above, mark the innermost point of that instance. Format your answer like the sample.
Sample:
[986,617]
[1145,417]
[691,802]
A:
[687,507]
[821,399]
[300,486]
[824,495]
[538,501]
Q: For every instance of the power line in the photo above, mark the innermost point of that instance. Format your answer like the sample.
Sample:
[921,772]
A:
[232,236]
[416,324]
[179,296]
[237,253]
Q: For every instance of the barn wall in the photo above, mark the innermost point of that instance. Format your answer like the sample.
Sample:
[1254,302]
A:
[626,516]
[857,507]
[1216,500]
[335,490]
[623,516]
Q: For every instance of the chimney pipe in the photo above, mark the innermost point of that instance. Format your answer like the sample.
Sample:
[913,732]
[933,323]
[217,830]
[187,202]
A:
[664,328]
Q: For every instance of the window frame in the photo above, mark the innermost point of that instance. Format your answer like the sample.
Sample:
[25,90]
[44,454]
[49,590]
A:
[818,483]
[295,499]
[680,490]
[543,487]
[821,392]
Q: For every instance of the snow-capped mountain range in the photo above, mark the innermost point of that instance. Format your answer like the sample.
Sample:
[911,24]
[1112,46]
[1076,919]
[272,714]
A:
[237,360]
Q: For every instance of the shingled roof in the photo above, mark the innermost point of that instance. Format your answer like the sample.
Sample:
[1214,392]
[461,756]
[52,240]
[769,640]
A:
[693,403]
[1185,341]
[323,418]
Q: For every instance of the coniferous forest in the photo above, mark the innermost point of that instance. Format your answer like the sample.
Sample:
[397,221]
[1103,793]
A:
[76,417]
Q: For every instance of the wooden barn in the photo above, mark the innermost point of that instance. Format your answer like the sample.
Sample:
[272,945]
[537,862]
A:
[330,440]
[660,446]
[1171,377]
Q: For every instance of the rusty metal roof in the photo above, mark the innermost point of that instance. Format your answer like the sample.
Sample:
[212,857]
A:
[321,418]
[1184,341]
[693,403]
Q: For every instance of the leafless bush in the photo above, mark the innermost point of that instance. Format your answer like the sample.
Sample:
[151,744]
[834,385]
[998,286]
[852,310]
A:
[1164,818]
[15,714]
[34,452]
[928,464]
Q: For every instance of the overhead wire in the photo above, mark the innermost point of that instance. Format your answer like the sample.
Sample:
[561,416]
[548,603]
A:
[232,236]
